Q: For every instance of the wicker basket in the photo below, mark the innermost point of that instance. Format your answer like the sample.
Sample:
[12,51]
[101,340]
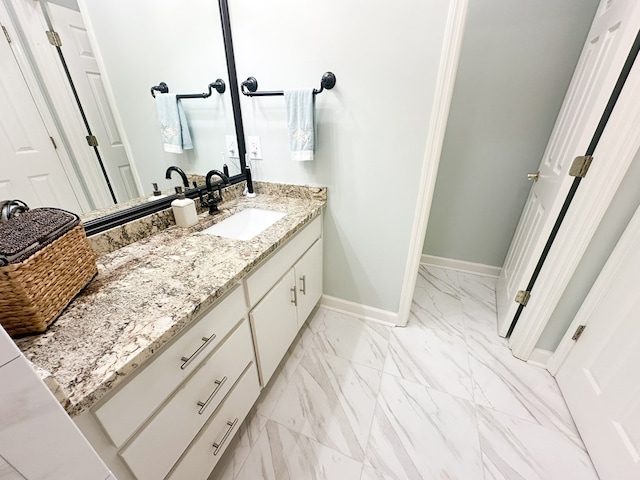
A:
[34,292]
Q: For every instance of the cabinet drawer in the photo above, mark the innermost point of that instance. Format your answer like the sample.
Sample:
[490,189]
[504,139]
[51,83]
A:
[155,450]
[123,413]
[261,281]
[199,460]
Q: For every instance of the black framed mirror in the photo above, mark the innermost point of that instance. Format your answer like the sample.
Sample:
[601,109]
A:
[114,52]
[117,218]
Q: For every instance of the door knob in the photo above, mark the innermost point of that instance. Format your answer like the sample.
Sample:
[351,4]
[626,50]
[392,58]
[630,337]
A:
[533,176]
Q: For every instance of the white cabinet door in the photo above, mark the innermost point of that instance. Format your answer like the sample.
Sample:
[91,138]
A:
[275,323]
[309,277]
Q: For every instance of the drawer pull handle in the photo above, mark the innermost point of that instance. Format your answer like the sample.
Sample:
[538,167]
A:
[294,300]
[303,288]
[218,446]
[204,404]
[187,360]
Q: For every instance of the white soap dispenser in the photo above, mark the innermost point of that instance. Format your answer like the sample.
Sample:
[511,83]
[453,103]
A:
[184,210]
[157,194]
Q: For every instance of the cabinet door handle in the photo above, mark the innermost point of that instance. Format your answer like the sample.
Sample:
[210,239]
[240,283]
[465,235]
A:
[217,446]
[303,288]
[205,404]
[294,300]
[187,360]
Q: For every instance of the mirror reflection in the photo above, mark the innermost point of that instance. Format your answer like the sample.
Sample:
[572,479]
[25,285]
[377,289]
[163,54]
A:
[114,52]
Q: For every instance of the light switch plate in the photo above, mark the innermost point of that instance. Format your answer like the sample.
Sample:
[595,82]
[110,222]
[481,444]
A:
[232,146]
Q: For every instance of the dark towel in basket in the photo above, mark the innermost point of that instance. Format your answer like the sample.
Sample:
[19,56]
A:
[25,234]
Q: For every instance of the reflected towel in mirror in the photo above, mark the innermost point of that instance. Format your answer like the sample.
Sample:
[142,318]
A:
[301,123]
[173,123]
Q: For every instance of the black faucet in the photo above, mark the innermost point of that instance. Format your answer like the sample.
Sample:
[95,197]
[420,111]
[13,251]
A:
[213,200]
[178,170]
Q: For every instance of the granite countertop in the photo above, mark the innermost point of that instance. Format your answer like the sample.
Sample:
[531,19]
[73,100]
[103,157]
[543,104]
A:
[148,291]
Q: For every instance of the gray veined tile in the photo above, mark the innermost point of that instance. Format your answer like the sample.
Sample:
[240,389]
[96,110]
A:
[451,322]
[478,287]
[330,400]
[434,357]
[7,472]
[278,382]
[370,473]
[437,292]
[350,337]
[509,385]
[517,449]
[441,279]
[481,324]
[281,454]
[419,433]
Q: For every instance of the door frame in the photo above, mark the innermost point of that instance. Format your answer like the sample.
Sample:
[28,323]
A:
[447,71]
[620,140]
[628,241]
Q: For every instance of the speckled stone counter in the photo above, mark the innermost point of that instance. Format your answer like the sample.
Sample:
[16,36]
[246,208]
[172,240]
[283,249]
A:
[147,292]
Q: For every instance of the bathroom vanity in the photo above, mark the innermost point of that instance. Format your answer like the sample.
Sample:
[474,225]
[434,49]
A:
[161,358]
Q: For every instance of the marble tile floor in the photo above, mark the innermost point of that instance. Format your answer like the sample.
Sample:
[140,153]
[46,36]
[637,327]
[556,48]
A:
[442,398]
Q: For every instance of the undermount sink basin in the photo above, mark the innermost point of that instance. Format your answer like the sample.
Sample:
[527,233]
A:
[245,224]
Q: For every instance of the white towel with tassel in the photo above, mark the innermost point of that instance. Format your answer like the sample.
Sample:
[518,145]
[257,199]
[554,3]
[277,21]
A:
[301,123]
[173,123]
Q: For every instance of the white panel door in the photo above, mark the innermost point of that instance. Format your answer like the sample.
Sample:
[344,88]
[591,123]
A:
[600,379]
[82,64]
[30,169]
[608,43]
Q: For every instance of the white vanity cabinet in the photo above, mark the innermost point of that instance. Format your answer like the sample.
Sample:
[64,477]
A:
[277,317]
[147,426]
[175,417]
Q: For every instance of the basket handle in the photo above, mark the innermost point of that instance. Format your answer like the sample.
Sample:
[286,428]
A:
[11,208]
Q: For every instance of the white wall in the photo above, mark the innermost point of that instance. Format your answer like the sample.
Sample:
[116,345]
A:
[516,63]
[371,128]
[620,211]
[145,42]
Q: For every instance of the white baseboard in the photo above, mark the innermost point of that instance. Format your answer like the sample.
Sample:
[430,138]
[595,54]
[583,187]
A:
[471,267]
[359,310]
[540,357]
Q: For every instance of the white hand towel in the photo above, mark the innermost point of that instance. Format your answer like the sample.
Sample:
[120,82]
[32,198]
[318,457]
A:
[173,123]
[301,123]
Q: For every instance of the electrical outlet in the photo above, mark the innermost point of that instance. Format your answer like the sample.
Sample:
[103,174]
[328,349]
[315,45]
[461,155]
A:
[232,146]
[254,148]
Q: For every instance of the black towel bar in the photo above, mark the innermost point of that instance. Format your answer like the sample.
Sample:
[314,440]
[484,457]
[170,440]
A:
[250,86]
[162,87]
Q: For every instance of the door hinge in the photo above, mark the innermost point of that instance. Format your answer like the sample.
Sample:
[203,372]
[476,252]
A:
[54,143]
[6,34]
[92,140]
[522,297]
[580,166]
[54,38]
[579,331]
